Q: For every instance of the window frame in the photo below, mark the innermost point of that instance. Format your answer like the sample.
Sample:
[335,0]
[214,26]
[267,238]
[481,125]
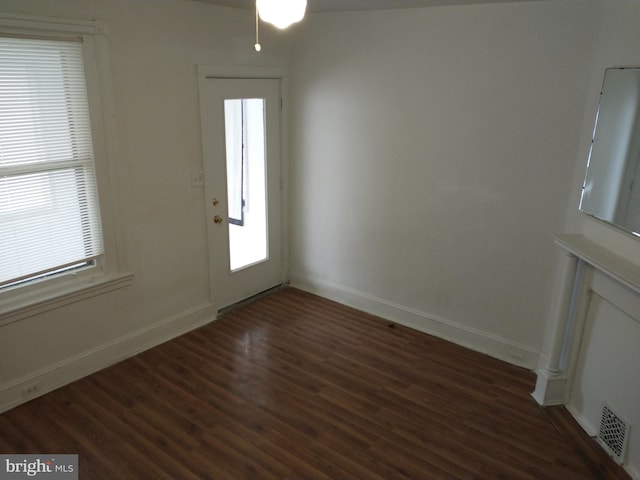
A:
[107,274]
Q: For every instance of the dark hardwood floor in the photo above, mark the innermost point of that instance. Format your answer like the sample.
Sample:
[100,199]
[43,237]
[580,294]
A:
[294,386]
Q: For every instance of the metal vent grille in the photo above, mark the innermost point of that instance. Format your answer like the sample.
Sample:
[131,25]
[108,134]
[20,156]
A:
[613,434]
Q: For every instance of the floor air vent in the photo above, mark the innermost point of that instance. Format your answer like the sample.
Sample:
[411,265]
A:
[613,434]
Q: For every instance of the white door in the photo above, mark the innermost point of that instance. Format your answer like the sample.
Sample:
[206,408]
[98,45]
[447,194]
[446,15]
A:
[242,167]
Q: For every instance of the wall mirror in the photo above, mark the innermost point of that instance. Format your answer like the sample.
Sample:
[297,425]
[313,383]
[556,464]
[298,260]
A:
[611,190]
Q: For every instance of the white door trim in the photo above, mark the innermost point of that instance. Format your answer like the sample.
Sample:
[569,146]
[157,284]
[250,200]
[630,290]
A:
[205,72]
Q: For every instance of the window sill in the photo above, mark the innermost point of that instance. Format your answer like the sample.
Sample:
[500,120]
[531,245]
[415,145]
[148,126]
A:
[24,306]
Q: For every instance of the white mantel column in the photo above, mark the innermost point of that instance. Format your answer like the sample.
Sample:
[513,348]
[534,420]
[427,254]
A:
[552,381]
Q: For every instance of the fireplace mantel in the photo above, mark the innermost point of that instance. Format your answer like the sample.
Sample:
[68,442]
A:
[581,257]
[601,259]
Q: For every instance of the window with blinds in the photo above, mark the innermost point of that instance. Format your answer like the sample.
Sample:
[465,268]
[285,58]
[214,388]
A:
[49,214]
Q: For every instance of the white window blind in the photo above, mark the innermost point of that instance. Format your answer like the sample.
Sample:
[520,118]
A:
[49,215]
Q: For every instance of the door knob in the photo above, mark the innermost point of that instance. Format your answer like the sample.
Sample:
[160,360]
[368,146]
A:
[217,219]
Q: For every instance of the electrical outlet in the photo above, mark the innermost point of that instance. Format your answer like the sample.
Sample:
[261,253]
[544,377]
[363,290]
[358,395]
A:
[197,179]
[31,391]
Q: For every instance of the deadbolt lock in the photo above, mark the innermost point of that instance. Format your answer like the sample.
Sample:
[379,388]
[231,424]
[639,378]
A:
[215,202]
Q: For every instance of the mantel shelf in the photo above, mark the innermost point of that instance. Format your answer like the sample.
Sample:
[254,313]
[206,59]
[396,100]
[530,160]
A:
[599,257]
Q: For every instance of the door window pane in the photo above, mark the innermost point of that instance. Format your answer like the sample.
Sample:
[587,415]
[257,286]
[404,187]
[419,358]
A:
[246,181]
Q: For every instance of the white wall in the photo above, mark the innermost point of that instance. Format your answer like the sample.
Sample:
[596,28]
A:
[154,48]
[432,150]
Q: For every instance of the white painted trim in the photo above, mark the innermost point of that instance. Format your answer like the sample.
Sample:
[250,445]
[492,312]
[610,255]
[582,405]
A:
[617,267]
[588,428]
[551,383]
[633,473]
[234,71]
[550,389]
[619,296]
[474,339]
[21,23]
[85,363]
[282,74]
[56,296]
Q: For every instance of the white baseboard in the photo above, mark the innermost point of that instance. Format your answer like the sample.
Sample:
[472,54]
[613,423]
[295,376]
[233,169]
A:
[585,424]
[85,363]
[474,339]
[550,389]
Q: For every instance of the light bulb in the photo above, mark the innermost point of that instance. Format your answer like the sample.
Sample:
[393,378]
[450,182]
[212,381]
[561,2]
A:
[281,13]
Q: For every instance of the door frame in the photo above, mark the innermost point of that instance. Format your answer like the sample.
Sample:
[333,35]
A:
[248,72]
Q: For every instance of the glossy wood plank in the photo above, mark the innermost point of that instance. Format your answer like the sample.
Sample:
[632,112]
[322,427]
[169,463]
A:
[293,386]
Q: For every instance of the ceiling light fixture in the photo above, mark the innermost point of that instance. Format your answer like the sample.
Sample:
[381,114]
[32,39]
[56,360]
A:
[280,13]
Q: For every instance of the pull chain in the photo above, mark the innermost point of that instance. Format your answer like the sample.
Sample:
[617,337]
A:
[257,44]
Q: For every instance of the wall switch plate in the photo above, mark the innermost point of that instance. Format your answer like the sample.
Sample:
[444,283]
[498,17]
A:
[197,179]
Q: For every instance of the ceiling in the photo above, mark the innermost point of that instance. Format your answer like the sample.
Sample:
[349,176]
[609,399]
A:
[355,5]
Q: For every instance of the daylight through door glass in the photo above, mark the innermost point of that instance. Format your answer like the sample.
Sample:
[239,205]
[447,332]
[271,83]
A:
[246,181]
